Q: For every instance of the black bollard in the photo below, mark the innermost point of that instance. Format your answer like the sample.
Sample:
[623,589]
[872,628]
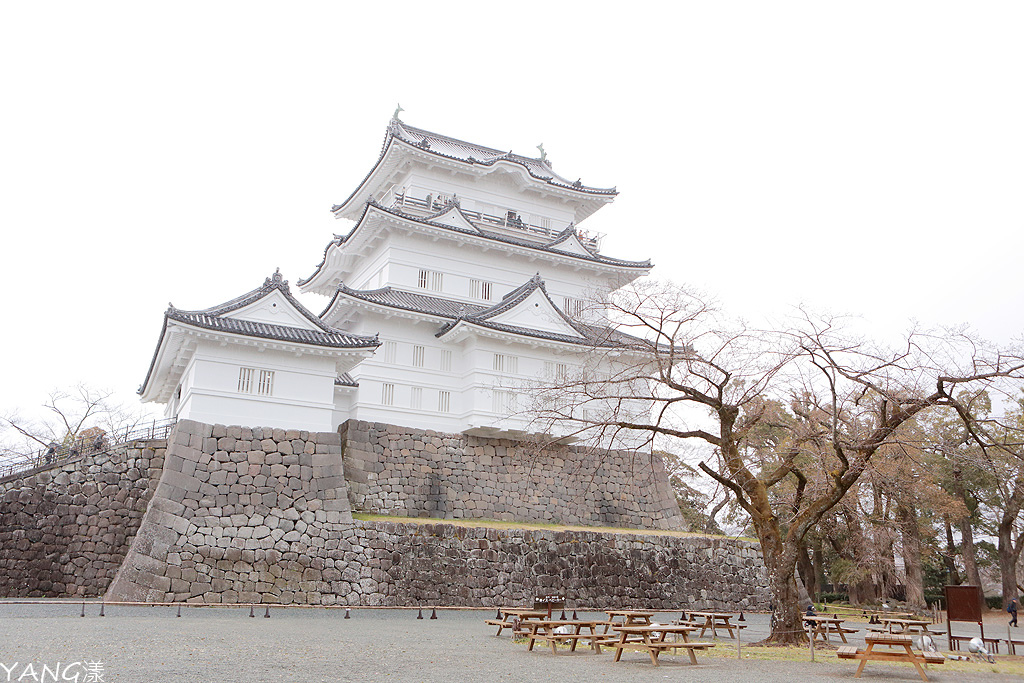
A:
[179,610]
[499,615]
[433,613]
[83,609]
[574,617]
[101,610]
[682,616]
[741,616]
[252,612]
[348,613]
[563,616]
[420,615]
[266,615]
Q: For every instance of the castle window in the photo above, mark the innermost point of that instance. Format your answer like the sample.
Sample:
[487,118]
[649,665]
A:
[431,279]
[480,289]
[573,307]
[387,394]
[266,384]
[417,356]
[556,371]
[416,401]
[446,360]
[444,401]
[506,364]
[249,382]
[390,351]
[245,380]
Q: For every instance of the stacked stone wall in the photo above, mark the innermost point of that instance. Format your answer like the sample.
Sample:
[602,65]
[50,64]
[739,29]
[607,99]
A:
[65,529]
[263,516]
[410,472]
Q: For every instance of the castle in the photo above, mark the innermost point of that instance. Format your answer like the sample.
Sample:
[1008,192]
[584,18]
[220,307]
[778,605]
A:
[465,279]
[463,283]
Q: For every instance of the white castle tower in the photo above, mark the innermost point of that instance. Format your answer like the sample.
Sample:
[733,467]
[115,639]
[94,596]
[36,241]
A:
[463,280]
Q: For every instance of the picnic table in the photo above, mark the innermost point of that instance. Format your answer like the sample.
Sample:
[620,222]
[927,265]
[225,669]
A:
[904,625]
[547,630]
[713,621]
[890,653]
[825,624]
[653,638]
[510,615]
[627,617]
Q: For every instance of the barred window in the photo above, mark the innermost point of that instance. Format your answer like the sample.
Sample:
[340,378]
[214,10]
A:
[390,351]
[418,352]
[505,363]
[245,380]
[446,360]
[266,385]
[417,398]
[444,401]
[387,394]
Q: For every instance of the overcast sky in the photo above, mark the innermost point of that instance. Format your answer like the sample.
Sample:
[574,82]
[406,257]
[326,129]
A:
[860,157]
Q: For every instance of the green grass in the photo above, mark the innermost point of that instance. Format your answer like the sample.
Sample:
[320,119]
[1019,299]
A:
[497,524]
[1005,664]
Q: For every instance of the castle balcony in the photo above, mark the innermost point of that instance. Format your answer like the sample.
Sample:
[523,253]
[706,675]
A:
[511,224]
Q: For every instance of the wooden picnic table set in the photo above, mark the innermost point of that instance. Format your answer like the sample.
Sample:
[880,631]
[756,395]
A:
[632,630]
[897,648]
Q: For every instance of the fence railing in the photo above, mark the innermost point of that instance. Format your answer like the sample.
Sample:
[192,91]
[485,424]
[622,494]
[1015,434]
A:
[511,220]
[94,444]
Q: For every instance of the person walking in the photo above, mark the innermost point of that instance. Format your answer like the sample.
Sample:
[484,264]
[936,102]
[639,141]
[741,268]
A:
[1012,609]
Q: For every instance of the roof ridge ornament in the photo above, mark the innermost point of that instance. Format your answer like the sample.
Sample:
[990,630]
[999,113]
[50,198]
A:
[398,110]
[275,281]
[543,154]
[423,144]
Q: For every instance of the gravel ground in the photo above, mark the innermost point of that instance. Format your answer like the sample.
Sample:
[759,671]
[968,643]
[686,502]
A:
[145,644]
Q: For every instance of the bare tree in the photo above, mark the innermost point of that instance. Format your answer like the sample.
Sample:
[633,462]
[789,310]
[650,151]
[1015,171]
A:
[79,419]
[689,373]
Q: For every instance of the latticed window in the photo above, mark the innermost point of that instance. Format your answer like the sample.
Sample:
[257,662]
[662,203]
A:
[556,371]
[573,306]
[505,363]
[418,352]
[444,401]
[446,360]
[245,380]
[266,384]
[390,351]
[387,394]
[416,400]
[480,289]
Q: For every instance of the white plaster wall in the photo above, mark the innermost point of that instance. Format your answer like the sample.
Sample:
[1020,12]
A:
[302,398]
[495,193]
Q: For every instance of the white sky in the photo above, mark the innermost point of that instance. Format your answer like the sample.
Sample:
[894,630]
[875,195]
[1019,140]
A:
[862,157]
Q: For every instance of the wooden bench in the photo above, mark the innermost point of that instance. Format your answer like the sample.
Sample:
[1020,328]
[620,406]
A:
[890,655]
[655,648]
[954,642]
[555,638]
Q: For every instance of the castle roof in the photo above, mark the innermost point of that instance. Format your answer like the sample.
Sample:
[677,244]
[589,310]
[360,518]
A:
[503,317]
[566,245]
[269,313]
[402,139]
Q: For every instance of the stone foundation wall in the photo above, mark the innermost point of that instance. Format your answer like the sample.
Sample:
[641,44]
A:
[410,472]
[263,516]
[65,529]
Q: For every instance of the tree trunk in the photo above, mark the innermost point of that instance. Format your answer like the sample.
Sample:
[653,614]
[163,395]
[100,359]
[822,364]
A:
[911,555]
[788,624]
[1007,560]
[807,575]
[952,574]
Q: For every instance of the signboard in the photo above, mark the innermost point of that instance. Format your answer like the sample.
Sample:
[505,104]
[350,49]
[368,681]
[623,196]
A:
[963,603]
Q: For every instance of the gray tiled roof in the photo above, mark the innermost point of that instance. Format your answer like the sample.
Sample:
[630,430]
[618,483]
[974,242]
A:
[458,311]
[409,301]
[551,247]
[213,319]
[453,148]
[345,380]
